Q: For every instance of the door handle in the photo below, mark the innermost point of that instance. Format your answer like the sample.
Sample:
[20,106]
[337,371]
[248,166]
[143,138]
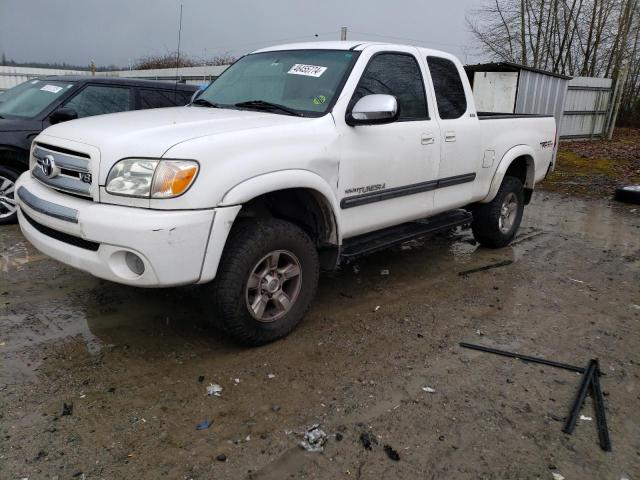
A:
[450,136]
[427,139]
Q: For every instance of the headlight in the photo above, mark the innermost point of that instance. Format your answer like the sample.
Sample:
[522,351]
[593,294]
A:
[137,177]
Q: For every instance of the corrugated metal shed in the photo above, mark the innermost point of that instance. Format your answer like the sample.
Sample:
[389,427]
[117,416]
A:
[536,91]
[586,107]
[12,76]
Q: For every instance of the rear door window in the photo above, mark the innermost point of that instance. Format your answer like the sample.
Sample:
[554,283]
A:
[162,98]
[450,96]
[100,99]
[399,75]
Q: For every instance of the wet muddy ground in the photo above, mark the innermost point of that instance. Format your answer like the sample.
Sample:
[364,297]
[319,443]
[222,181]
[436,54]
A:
[135,364]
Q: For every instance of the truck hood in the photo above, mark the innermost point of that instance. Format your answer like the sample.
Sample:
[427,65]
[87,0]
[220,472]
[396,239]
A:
[150,133]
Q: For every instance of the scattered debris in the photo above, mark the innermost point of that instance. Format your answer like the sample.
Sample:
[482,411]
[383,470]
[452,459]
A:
[111,389]
[339,437]
[67,409]
[236,381]
[270,376]
[314,439]
[557,476]
[429,389]
[201,379]
[275,408]
[525,358]
[221,458]
[391,453]
[504,263]
[203,425]
[214,389]
[377,308]
[368,440]
[384,272]
[356,269]
[583,417]
[590,380]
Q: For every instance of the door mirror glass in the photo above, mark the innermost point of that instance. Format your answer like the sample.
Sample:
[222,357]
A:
[63,115]
[374,109]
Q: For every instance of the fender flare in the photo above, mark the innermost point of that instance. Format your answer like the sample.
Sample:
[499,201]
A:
[281,180]
[508,158]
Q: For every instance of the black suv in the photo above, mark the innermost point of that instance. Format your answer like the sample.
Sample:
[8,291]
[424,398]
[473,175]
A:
[32,106]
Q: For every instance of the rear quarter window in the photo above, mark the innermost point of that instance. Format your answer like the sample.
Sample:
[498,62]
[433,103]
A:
[447,84]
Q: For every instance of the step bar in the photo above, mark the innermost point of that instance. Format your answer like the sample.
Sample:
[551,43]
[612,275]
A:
[368,243]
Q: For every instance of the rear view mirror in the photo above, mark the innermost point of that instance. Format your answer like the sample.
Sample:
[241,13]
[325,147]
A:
[63,115]
[374,109]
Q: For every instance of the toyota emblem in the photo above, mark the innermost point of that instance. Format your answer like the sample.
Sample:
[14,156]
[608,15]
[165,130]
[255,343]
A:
[48,166]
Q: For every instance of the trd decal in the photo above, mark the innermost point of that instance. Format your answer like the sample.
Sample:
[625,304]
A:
[547,144]
[367,189]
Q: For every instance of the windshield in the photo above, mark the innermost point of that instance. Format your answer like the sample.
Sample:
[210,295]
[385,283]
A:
[305,81]
[31,97]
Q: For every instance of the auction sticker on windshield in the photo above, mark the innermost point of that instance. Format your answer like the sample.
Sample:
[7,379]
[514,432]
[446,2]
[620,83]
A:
[308,70]
[51,88]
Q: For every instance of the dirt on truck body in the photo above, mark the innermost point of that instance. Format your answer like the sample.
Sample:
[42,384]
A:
[98,381]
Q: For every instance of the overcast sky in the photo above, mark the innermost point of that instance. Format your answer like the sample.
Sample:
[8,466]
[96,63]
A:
[119,31]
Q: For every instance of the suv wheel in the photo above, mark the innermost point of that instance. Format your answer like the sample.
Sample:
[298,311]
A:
[496,223]
[8,208]
[266,281]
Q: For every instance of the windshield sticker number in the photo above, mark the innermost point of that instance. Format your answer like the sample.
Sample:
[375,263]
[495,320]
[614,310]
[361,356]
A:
[307,70]
[51,88]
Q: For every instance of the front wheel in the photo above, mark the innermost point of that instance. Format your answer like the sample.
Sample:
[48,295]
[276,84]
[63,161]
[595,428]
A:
[266,281]
[496,223]
[8,208]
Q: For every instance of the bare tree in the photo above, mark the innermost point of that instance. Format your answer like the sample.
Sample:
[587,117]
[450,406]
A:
[574,37]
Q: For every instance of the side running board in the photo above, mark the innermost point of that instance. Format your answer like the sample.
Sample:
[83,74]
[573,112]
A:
[379,240]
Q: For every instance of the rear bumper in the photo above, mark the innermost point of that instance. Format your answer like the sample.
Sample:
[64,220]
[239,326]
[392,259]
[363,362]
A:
[94,237]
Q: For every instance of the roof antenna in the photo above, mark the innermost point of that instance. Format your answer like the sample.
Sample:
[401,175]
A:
[175,91]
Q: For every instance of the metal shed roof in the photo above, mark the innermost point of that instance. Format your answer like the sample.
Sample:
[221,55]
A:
[510,67]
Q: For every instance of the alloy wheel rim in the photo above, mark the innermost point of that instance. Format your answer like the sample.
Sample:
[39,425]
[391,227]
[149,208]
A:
[508,213]
[7,198]
[273,286]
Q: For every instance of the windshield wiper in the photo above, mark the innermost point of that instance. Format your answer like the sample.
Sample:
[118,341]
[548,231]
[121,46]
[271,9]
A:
[205,102]
[263,105]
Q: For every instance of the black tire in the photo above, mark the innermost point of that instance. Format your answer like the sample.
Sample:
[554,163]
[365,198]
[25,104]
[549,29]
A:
[248,243]
[486,226]
[7,194]
[628,194]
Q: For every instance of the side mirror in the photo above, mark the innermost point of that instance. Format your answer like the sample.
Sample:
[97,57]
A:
[374,110]
[63,115]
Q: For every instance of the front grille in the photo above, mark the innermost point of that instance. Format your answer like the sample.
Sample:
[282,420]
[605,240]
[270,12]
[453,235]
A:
[63,169]
[61,236]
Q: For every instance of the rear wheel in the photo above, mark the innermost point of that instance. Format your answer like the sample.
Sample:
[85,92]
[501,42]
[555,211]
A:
[496,223]
[8,208]
[266,281]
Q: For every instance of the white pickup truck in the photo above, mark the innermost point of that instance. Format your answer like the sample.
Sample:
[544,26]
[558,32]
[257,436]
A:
[299,157]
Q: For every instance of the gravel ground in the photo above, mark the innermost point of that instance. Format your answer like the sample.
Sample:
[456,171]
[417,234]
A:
[135,365]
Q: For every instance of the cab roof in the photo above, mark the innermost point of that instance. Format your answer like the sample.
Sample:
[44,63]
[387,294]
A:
[355,45]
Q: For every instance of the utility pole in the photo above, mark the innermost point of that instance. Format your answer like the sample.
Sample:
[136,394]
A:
[343,33]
